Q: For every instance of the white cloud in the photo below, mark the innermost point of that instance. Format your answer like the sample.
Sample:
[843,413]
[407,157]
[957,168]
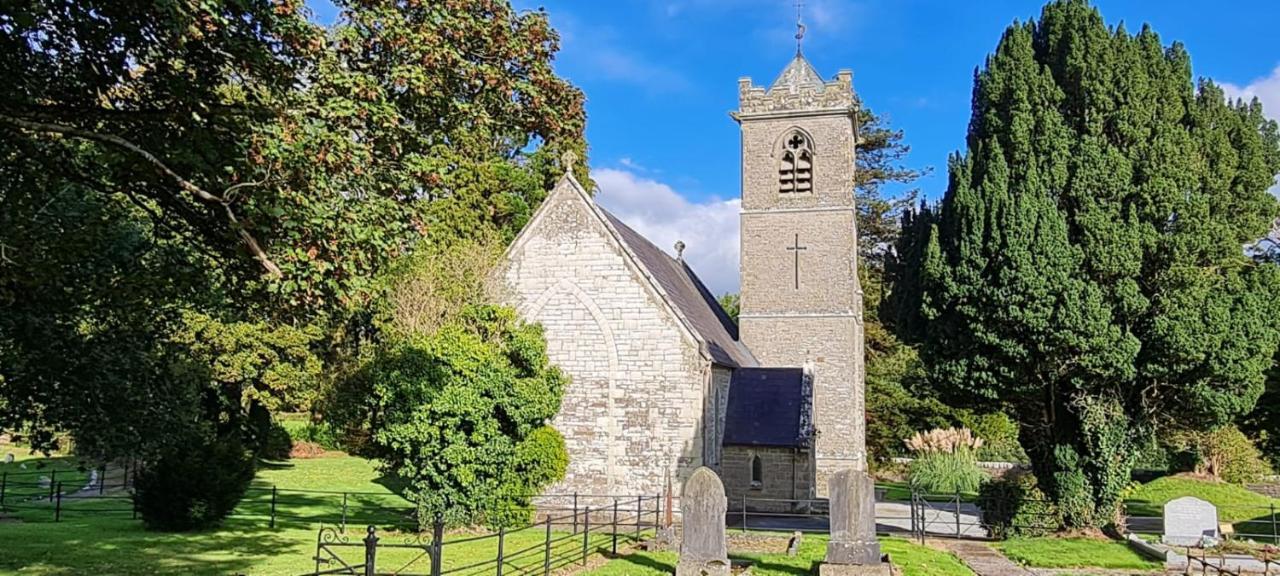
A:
[1267,91]
[708,229]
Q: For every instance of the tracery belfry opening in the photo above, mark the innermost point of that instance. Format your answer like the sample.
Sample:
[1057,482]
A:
[795,174]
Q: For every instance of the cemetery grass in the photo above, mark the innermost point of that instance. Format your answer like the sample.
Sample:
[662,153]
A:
[1234,502]
[1051,552]
[115,544]
[913,559]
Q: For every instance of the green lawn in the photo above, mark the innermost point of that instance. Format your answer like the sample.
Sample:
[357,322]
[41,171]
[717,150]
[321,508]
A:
[1074,553]
[84,543]
[1235,503]
[913,559]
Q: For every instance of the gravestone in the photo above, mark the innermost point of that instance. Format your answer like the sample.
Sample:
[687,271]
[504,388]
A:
[1188,521]
[8,458]
[703,551]
[853,548]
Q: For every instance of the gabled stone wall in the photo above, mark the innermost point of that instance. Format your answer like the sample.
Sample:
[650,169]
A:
[634,409]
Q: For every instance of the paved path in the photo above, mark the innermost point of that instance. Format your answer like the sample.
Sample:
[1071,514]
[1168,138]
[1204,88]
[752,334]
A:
[983,559]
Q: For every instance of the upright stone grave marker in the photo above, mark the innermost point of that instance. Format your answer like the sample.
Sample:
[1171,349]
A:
[1188,521]
[703,551]
[853,548]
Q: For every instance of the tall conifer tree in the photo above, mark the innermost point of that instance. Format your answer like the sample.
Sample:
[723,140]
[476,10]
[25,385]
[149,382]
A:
[1087,270]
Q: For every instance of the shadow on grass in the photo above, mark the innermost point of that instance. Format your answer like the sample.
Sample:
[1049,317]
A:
[123,547]
[649,562]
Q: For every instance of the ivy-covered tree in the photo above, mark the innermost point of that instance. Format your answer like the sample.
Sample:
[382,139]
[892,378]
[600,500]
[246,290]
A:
[462,415]
[1087,270]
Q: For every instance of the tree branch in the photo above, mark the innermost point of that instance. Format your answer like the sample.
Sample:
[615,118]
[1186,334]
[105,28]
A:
[188,186]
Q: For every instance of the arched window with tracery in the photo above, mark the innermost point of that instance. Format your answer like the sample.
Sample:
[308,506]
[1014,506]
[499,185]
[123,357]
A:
[757,472]
[795,173]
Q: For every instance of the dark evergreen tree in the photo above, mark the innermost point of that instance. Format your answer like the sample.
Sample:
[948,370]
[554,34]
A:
[1087,270]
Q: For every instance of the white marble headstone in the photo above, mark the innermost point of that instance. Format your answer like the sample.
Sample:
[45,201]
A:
[1188,520]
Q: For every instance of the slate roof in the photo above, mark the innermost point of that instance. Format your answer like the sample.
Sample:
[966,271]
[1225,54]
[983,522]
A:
[799,72]
[689,295]
[769,407]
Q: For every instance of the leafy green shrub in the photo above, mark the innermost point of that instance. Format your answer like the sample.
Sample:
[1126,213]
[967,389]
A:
[321,433]
[1075,495]
[276,444]
[1225,453]
[1014,506]
[462,417]
[999,434]
[195,487]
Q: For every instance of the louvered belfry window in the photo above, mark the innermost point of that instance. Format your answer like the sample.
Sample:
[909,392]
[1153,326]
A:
[795,174]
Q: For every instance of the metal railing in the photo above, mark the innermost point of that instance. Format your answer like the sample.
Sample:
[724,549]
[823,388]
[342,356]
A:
[596,531]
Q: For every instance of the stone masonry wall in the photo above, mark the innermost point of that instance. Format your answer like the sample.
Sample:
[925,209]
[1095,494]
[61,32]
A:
[633,410]
[788,475]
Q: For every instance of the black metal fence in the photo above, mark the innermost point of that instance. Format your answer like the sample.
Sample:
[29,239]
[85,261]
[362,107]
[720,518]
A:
[900,511]
[552,542]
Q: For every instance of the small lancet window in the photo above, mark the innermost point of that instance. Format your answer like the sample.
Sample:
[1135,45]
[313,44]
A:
[795,173]
[757,472]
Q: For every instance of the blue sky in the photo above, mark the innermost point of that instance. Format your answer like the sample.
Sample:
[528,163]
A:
[661,76]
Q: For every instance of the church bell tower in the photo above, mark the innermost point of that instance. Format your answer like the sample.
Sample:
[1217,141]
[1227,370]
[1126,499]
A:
[801,303]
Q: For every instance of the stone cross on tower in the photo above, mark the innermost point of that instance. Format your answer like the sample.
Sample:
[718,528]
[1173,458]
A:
[796,248]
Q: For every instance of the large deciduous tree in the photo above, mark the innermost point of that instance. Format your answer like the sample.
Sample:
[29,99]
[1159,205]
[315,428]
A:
[1087,271]
[231,163]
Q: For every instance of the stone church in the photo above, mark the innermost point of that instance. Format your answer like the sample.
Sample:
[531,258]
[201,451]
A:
[663,381]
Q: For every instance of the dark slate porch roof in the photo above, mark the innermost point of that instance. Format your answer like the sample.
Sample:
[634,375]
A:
[769,407]
[687,294]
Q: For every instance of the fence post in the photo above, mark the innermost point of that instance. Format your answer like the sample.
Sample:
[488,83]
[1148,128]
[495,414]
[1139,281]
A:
[370,552]
[344,511]
[102,479]
[957,514]
[913,513]
[586,532]
[502,536]
[614,546]
[639,513]
[1274,538]
[744,512]
[546,550]
[57,508]
[53,480]
[657,514]
[437,544]
[273,509]
[4,483]
[575,512]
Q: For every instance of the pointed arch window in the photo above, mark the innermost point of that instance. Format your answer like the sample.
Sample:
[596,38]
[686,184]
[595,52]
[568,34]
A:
[795,173]
[757,472]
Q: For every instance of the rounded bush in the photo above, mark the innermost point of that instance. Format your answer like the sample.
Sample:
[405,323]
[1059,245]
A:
[195,487]
[1014,506]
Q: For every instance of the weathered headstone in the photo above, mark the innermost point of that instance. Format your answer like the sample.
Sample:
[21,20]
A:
[703,551]
[1188,521]
[8,458]
[853,548]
